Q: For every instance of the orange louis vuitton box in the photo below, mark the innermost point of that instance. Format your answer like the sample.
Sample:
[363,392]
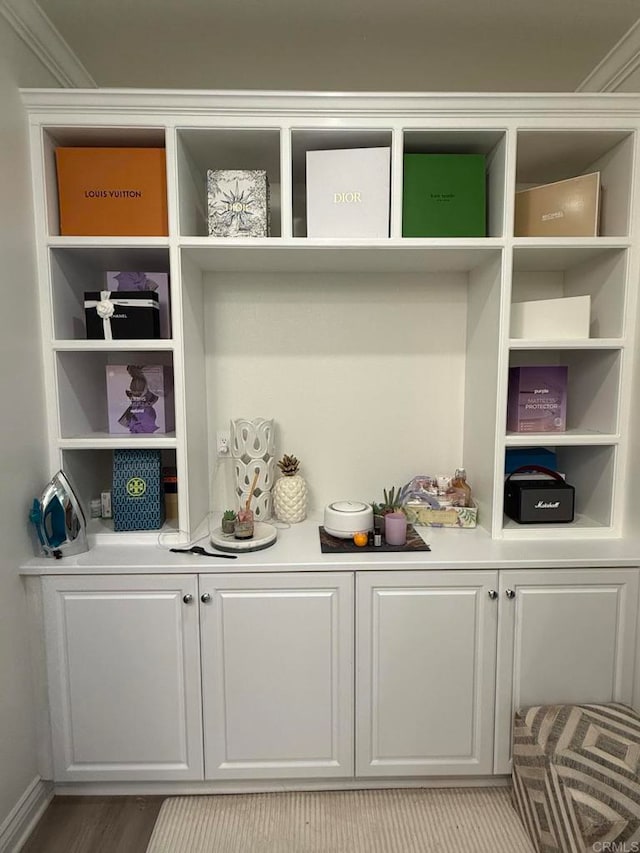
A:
[120,192]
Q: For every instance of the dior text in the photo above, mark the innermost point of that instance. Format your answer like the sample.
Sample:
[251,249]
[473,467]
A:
[347,198]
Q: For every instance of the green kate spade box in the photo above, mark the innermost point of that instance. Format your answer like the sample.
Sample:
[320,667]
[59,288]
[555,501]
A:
[137,490]
[444,195]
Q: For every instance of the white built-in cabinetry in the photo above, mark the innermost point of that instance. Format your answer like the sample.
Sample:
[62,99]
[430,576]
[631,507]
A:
[440,660]
[277,670]
[563,636]
[127,655]
[378,359]
[123,658]
[392,352]
[426,651]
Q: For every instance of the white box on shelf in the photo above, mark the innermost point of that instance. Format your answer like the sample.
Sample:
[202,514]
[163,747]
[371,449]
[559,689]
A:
[348,192]
[551,319]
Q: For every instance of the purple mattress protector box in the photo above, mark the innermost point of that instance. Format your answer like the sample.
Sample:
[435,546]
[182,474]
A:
[537,400]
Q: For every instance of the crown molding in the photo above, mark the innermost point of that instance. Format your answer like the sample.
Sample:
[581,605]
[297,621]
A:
[619,64]
[38,33]
[141,106]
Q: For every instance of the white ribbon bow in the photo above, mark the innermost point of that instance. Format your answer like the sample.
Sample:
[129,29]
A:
[105,308]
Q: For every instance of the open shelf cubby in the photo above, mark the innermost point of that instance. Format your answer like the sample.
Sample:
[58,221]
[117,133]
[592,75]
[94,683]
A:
[74,271]
[91,473]
[201,149]
[592,472]
[546,156]
[324,139]
[87,137]
[82,395]
[490,143]
[557,272]
[593,386]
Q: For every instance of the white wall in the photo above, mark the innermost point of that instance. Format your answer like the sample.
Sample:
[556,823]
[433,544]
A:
[363,374]
[24,466]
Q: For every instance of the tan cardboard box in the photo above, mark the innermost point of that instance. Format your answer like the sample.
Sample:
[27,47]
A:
[567,208]
[117,192]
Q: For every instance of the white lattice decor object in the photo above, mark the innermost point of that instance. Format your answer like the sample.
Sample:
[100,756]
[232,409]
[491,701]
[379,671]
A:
[253,449]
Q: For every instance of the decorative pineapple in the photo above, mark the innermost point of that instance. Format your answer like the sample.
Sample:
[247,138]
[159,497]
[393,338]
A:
[290,492]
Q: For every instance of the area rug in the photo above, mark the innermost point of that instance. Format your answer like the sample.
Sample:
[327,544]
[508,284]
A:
[401,820]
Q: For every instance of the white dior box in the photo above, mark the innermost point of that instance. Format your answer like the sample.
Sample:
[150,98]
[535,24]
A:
[238,203]
[348,192]
[551,319]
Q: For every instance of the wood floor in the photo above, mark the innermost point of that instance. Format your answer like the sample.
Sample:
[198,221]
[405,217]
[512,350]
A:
[95,825]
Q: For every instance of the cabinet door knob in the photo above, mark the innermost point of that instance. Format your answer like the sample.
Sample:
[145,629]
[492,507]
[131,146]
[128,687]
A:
[188,598]
[492,594]
[510,593]
[205,598]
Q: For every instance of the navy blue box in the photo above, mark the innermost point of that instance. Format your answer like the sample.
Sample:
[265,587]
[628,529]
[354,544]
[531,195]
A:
[136,498]
[518,457]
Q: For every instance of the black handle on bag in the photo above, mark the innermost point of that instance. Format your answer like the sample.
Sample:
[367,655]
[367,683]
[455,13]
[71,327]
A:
[539,468]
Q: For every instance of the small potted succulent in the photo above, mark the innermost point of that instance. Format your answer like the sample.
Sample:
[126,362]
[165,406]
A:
[391,503]
[228,521]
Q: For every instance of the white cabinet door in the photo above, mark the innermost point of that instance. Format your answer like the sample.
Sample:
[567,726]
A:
[425,680]
[277,663]
[124,677]
[564,636]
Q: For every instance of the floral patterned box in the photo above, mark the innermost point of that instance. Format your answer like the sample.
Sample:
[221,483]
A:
[450,516]
[238,203]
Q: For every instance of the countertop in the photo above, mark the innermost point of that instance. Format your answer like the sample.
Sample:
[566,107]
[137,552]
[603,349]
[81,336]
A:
[298,549]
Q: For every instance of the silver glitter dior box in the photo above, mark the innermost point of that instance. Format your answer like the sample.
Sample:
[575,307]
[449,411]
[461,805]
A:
[238,203]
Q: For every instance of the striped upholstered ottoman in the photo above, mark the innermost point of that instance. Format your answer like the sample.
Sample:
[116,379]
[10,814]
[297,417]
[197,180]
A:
[576,777]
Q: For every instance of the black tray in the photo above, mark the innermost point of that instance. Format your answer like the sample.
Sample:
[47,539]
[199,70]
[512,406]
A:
[332,545]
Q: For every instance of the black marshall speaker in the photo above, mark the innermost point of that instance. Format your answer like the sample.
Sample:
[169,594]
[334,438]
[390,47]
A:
[538,501]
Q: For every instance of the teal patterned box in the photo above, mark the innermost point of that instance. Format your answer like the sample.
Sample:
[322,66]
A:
[137,490]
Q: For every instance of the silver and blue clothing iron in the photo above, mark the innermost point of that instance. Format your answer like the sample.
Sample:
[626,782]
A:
[59,519]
